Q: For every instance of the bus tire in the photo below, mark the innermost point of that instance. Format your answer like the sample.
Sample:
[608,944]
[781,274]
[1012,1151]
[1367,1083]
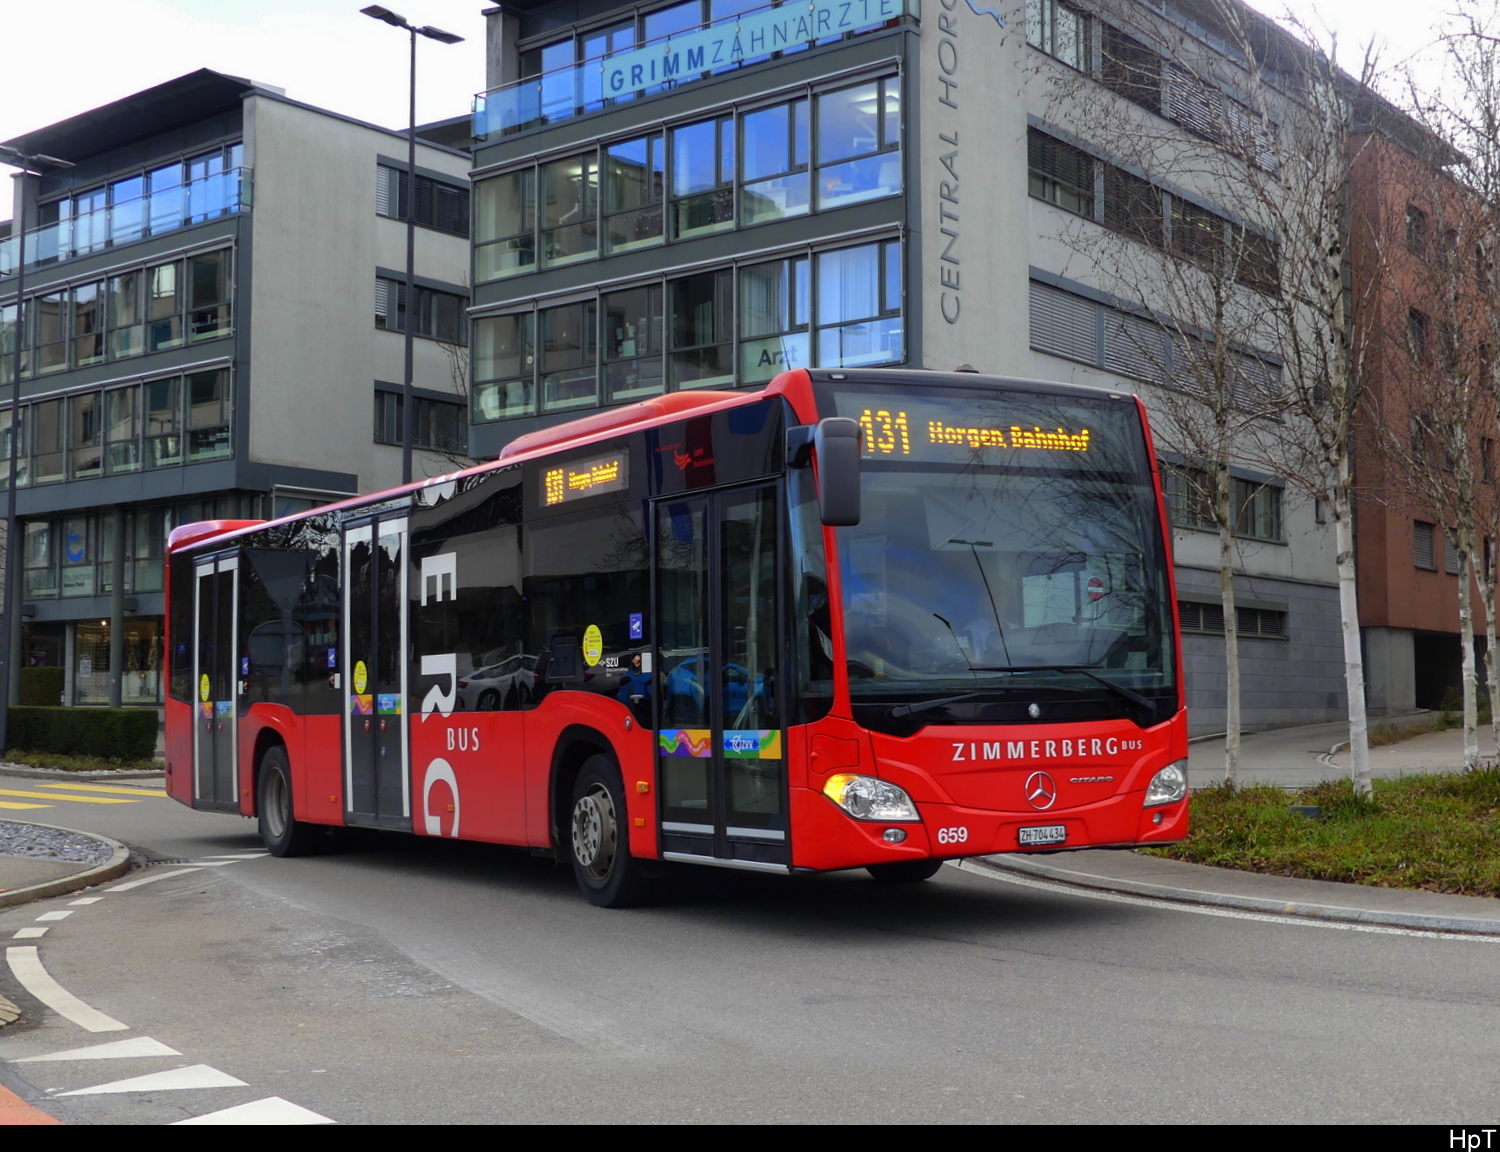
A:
[905,871]
[598,841]
[282,834]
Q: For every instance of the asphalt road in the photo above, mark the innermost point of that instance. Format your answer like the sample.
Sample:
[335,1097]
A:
[421,982]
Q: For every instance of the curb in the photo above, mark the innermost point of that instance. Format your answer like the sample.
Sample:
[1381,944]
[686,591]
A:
[118,865]
[14,1110]
[26,771]
[1028,866]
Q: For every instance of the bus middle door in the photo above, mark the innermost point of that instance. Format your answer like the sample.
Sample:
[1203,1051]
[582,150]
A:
[720,750]
[216,615]
[377,789]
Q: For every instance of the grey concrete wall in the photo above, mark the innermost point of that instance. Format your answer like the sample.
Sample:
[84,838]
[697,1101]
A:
[1390,669]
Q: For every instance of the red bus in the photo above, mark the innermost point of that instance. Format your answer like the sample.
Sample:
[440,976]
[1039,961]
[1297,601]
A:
[857,619]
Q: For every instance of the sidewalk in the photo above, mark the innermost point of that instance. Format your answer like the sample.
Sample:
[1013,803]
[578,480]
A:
[1290,757]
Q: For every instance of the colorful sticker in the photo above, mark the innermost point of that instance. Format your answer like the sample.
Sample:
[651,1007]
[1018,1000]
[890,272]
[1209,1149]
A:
[593,645]
[362,705]
[694,742]
[203,688]
[752,744]
[388,704]
[361,676]
[206,710]
[244,665]
[637,626]
[224,707]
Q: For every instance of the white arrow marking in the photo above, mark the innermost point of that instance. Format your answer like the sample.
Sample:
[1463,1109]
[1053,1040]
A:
[27,968]
[193,1076]
[114,1050]
[272,1110]
[129,884]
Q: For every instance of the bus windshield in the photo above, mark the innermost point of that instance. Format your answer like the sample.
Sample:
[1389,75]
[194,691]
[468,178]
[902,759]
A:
[1007,539]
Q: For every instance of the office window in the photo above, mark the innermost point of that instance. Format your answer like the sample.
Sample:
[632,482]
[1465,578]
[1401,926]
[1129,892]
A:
[1422,545]
[1261,623]
[1416,335]
[1205,619]
[569,351]
[88,324]
[774,317]
[207,415]
[1060,31]
[859,141]
[40,563]
[570,228]
[1416,230]
[1131,69]
[163,307]
[1450,554]
[1257,509]
[1258,260]
[23,464]
[1189,496]
[1060,174]
[703,178]
[440,425]
[85,434]
[633,364]
[439,205]
[163,422]
[124,316]
[51,323]
[504,364]
[775,176]
[122,430]
[127,209]
[634,188]
[8,335]
[77,559]
[504,225]
[437,315]
[859,306]
[1197,234]
[208,295]
[168,204]
[48,449]
[702,328]
[1132,206]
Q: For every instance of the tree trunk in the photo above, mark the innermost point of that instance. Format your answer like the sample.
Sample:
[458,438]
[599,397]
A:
[1487,601]
[1471,680]
[1354,668]
[1222,508]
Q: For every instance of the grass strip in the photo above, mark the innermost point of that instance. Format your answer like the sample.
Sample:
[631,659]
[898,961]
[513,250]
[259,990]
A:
[1440,833]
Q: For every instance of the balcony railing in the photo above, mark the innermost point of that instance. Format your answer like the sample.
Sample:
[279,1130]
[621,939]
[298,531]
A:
[683,58]
[109,226]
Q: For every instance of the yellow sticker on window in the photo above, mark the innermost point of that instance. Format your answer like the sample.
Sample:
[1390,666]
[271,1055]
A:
[204,688]
[593,645]
[361,677]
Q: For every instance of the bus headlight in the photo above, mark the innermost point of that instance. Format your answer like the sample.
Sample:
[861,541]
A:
[1168,786]
[866,798]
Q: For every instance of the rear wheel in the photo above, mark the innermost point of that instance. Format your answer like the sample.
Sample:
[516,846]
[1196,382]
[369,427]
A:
[282,833]
[905,871]
[598,840]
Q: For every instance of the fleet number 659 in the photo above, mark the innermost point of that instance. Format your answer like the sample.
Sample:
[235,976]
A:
[957,835]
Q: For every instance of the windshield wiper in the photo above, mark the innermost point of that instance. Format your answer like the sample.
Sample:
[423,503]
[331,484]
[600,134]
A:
[1082,669]
[922,706]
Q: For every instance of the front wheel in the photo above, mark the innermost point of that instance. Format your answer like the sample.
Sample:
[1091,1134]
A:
[282,833]
[905,871]
[608,874]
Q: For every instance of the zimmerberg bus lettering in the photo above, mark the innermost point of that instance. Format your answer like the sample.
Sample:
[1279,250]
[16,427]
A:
[966,750]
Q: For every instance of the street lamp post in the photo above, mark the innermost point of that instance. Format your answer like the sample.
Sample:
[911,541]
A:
[10,599]
[408,405]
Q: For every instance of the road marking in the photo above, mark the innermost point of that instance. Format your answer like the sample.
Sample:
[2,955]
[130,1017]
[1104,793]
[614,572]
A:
[17,807]
[1206,910]
[272,1110]
[26,966]
[50,916]
[114,1050]
[238,856]
[85,900]
[29,933]
[65,798]
[129,884]
[174,1079]
[213,863]
[106,788]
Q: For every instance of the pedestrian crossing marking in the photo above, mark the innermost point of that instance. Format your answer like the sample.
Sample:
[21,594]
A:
[110,788]
[14,806]
[54,797]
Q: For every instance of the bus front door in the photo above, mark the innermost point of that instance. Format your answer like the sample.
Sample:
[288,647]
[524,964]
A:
[377,791]
[721,755]
[215,612]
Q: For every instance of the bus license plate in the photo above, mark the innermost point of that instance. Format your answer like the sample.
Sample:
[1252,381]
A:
[1046,834]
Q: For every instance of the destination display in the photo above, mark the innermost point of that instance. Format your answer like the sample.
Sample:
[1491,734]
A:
[591,477]
[950,427]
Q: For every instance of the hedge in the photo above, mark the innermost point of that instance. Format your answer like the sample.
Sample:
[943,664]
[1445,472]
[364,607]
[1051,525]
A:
[111,733]
[42,687]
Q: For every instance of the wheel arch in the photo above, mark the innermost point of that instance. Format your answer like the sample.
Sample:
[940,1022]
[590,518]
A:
[575,744]
[266,739]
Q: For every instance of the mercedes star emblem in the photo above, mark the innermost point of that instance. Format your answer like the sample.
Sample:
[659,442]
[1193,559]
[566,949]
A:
[1041,792]
[1034,710]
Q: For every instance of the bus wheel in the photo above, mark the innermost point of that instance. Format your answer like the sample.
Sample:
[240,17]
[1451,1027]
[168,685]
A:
[283,835]
[606,871]
[905,872]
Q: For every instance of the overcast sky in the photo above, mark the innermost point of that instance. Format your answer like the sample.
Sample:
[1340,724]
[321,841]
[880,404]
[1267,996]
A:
[66,57]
